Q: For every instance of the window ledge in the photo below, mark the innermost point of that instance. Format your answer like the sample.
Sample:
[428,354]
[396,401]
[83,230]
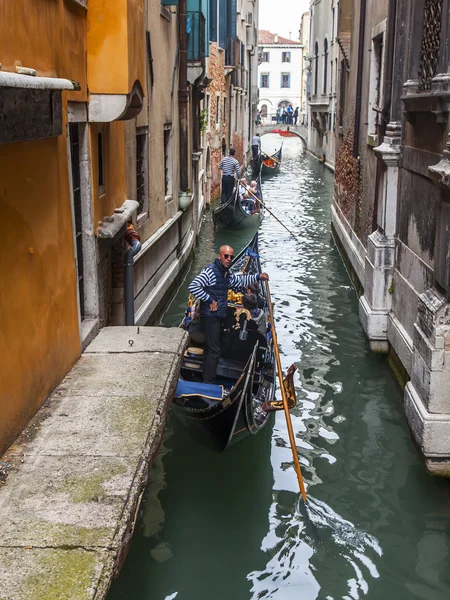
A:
[435,101]
[109,228]
[141,218]
[32,82]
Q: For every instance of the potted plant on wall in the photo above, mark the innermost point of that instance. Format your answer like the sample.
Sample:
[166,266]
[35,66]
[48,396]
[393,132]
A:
[184,199]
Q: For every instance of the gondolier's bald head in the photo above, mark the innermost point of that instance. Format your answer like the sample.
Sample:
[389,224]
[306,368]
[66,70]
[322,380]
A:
[225,256]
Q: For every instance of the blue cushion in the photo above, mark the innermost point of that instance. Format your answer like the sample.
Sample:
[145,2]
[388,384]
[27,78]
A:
[192,388]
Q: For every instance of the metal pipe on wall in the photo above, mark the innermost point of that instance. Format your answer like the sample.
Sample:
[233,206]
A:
[183,96]
[133,240]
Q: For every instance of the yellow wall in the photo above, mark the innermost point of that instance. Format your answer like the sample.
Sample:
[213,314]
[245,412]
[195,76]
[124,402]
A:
[115,45]
[39,337]
[39,330]
[47,36]
[114,169]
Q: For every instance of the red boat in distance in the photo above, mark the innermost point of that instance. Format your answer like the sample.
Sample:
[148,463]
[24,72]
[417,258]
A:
[283,132]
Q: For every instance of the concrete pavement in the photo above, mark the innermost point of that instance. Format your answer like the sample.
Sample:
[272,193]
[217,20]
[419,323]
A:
[70,501]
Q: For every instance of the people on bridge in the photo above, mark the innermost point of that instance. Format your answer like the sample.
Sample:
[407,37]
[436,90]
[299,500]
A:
[256,146]
[296,115]
[279,114]
[230,171]
[211,288]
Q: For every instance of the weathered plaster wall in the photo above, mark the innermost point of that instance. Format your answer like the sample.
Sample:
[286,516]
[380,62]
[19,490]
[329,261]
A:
[39,338]
[115,45]
[114,169]
[47,36]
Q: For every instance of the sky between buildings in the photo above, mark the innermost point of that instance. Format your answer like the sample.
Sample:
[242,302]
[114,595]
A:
[282,16]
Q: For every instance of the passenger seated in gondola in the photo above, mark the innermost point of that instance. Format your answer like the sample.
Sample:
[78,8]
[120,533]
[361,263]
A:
[254,288]
[250,302]
[243,189]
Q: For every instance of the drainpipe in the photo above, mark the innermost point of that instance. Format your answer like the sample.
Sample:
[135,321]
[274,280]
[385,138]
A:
[183,96]
[133,240]
[359,80]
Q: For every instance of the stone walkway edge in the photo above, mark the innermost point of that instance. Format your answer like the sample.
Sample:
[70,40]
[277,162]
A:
[69,503]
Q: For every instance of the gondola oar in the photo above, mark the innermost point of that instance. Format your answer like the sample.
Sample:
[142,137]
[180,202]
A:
[270,212]
[271,157]
[285,399]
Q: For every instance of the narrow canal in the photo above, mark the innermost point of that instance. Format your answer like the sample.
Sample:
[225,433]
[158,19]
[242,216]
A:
[231,527]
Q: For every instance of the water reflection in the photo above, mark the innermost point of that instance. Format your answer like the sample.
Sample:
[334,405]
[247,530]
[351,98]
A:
[232,526]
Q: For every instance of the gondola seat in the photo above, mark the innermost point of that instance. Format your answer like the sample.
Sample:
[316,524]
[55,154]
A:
[193,394]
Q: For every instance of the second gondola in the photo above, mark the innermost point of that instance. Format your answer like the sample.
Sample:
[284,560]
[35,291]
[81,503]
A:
[238,214]
[270,165]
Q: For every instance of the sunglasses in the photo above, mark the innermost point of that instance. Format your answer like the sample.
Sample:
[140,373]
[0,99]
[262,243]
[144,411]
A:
[228,256]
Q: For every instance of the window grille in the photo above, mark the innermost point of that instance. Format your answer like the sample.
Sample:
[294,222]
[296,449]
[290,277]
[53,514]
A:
[431,42]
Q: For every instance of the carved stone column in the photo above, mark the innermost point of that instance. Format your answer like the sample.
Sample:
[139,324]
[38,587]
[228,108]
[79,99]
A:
[427,395]
[376,302]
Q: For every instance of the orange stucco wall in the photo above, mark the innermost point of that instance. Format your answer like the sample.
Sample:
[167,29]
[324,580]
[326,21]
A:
[39,337]
[114,168]
[136,43]
[47,36]
[115,45]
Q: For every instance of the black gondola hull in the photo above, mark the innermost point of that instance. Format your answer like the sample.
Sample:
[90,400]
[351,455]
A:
[232,215]
[220,424]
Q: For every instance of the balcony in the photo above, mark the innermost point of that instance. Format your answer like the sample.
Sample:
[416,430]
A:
[196,44]
[115,59]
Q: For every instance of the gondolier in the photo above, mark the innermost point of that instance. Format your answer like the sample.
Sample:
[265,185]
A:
[230,169]
[256,146]
[211,288]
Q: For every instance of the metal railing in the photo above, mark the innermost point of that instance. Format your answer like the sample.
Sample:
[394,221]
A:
[195,26]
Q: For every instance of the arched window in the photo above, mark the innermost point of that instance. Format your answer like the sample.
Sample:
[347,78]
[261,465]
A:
[264,110]
[325,65]
[316,67]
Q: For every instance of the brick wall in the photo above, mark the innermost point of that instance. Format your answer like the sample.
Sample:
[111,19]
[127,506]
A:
[348,183]
[217,132]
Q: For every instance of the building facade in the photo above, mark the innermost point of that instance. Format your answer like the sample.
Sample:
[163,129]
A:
[305,71]
[323,65]
[230,100]
[392,196]
[280,74]
[78,169]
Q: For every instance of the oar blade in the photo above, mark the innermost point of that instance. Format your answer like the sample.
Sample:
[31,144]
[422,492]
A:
[288,384]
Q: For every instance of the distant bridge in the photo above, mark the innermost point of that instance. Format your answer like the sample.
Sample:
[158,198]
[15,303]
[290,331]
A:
[299,130]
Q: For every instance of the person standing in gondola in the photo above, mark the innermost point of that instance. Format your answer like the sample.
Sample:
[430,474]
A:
[230,170]
[211,288]
[256,146]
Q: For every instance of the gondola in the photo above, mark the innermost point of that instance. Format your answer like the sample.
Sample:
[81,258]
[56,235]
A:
[240,402]
[270,166]
[232,213]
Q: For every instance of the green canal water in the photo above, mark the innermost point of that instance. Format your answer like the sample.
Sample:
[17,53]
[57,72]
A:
[232,526]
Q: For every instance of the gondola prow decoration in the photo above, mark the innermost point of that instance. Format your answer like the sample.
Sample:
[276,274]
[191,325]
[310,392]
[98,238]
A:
[284,397]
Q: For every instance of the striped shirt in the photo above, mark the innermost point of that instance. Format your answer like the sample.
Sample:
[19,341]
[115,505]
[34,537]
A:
[229,166]
[207,278]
